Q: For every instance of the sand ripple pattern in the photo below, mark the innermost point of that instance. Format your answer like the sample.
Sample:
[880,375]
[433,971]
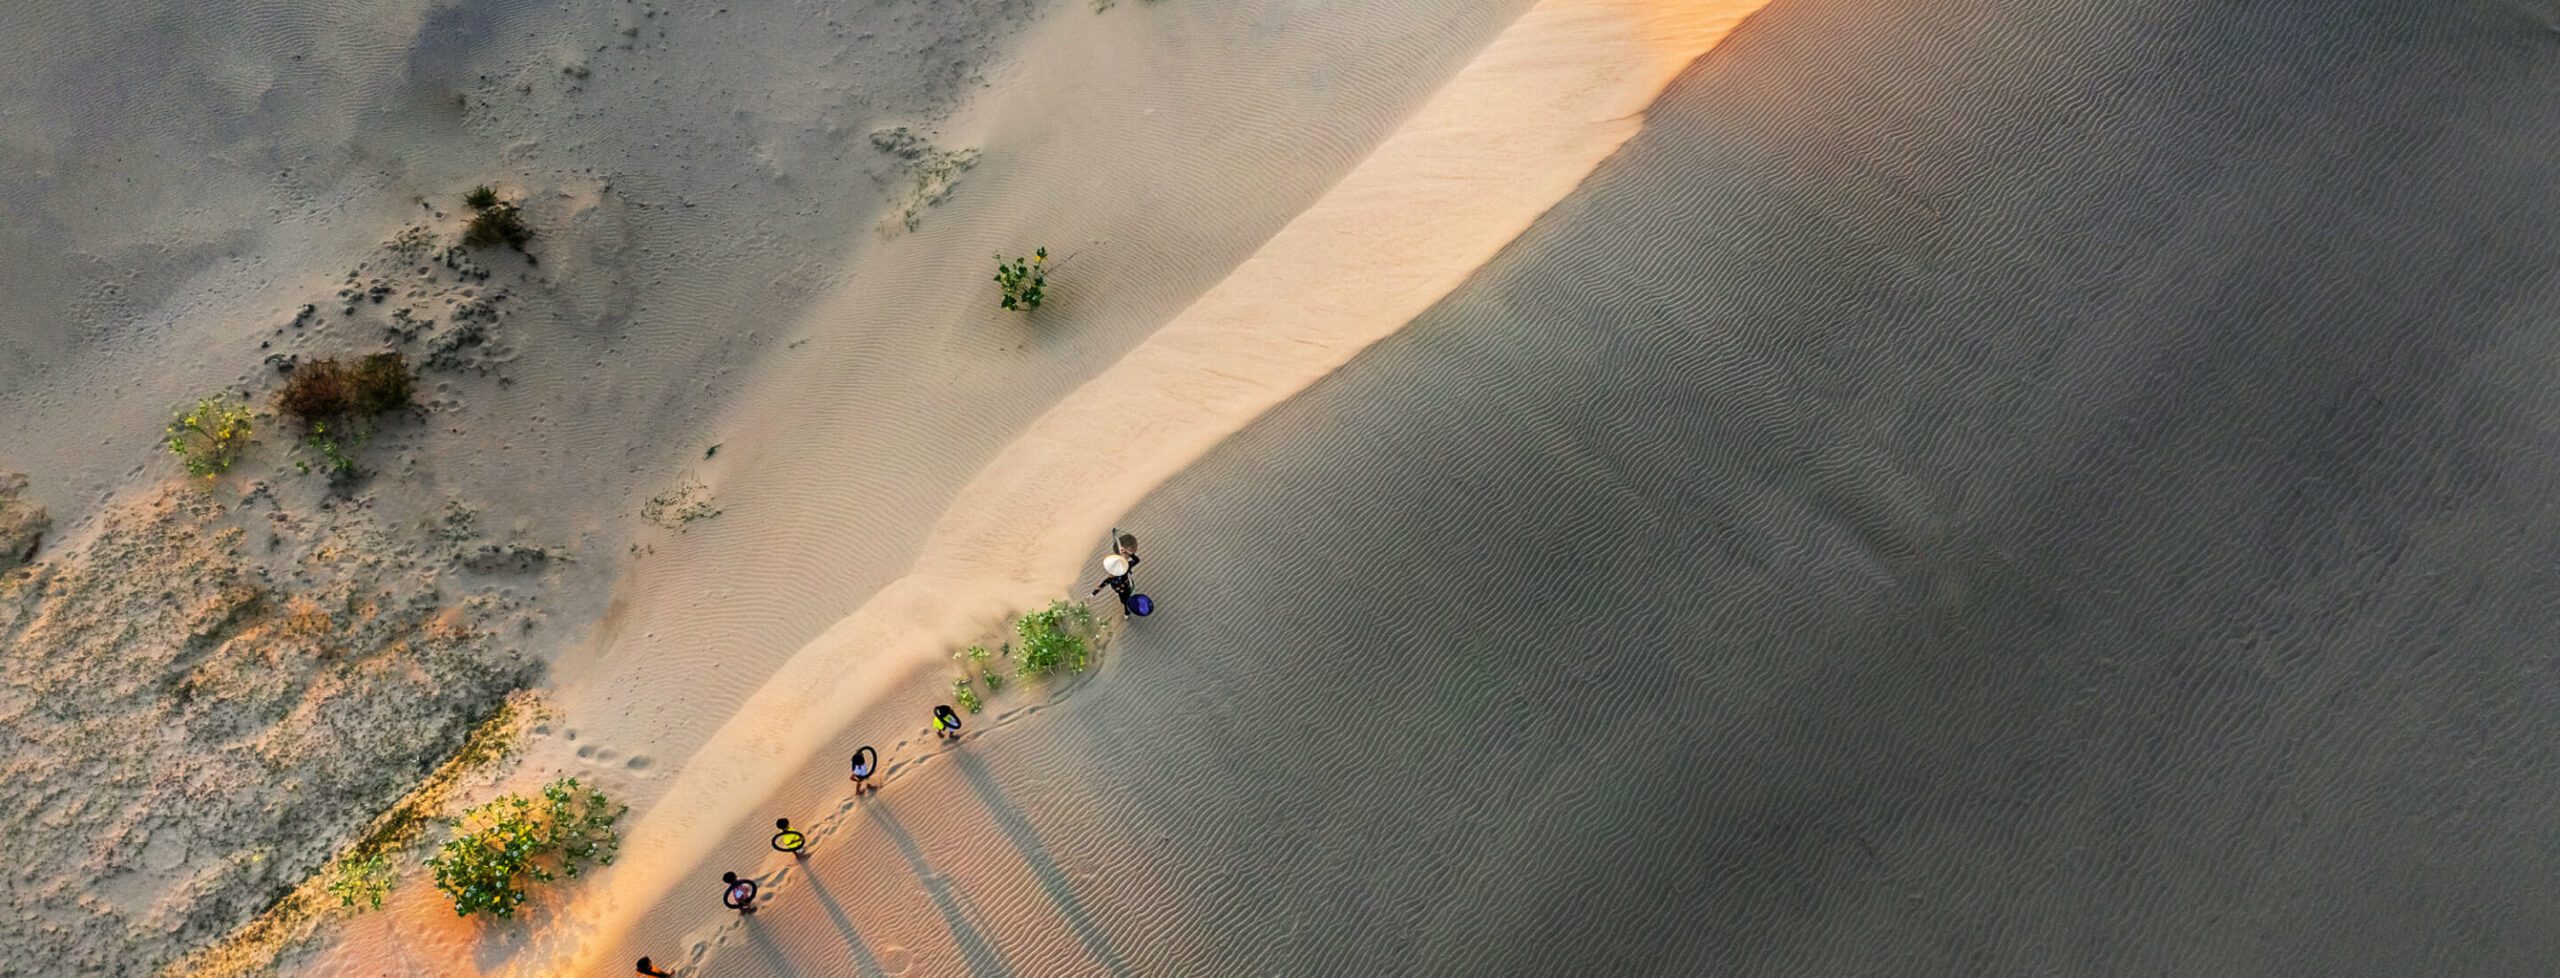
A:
[1970,490]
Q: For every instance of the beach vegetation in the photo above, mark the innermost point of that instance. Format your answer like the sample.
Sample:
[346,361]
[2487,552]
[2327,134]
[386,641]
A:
[482,197]
[965,694]
[504,845]
[332,390]
[1056,638]
[335,459]
[333,401]
[360,884]
[1024,281]
[253,949]
[500,223]
[210,436]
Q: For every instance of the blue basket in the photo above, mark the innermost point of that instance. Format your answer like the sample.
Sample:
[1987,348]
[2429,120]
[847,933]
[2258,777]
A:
[1140,605]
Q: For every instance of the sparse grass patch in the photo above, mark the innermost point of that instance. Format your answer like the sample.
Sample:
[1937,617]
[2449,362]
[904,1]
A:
[497,224]
[360,884]
[210,436]
[1024,282]
[500,847]
[482,197]
[1056,638]
[965,694]
[688,502]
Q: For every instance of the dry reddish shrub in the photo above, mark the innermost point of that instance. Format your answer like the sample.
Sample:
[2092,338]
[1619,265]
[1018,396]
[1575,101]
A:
[328,390]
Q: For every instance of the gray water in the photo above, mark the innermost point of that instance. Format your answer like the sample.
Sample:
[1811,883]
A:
[1969,490]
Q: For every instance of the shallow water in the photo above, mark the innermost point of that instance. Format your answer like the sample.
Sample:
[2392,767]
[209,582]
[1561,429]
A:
[1968,491]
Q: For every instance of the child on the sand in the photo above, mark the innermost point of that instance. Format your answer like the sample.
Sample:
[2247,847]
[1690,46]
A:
[789,840]
[741,894]
[865,761]
[647,969]
[946,724]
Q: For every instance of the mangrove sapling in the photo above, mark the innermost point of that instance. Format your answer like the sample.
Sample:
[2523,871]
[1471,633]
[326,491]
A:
[210,436]
[1023,282]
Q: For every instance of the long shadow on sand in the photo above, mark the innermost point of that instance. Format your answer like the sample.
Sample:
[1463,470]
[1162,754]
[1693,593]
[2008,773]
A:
[1017,830]
[985,961]
[863,962]
[764,945]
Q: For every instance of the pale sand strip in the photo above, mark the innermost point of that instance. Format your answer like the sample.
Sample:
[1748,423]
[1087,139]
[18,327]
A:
[1508,137]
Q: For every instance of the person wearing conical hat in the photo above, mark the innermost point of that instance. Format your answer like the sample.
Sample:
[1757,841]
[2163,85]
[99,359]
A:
[1116,566]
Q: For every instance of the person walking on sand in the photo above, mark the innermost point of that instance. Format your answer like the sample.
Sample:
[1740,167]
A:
[741,894]
[865,761]
[946,724]
[790,840]
[652,970]
[1116,566]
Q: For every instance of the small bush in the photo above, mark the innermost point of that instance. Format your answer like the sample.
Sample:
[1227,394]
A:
[482,197]
[335,458]
[383,384]
[316,391]
[1054,638]
[331,390]
[360,884]
[500,847]
[496,225]
[210,436]
[964,694]
[1024,282]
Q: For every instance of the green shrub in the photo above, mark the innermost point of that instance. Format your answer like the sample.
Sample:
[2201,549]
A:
[334,457]
[496,225]
[210,436]
[1024,282]
[500,847]
[482,197]
[360,884]
[965,695]
[1056,638]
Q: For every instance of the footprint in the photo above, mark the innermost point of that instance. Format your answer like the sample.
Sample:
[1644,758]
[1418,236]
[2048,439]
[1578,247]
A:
[638,762]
